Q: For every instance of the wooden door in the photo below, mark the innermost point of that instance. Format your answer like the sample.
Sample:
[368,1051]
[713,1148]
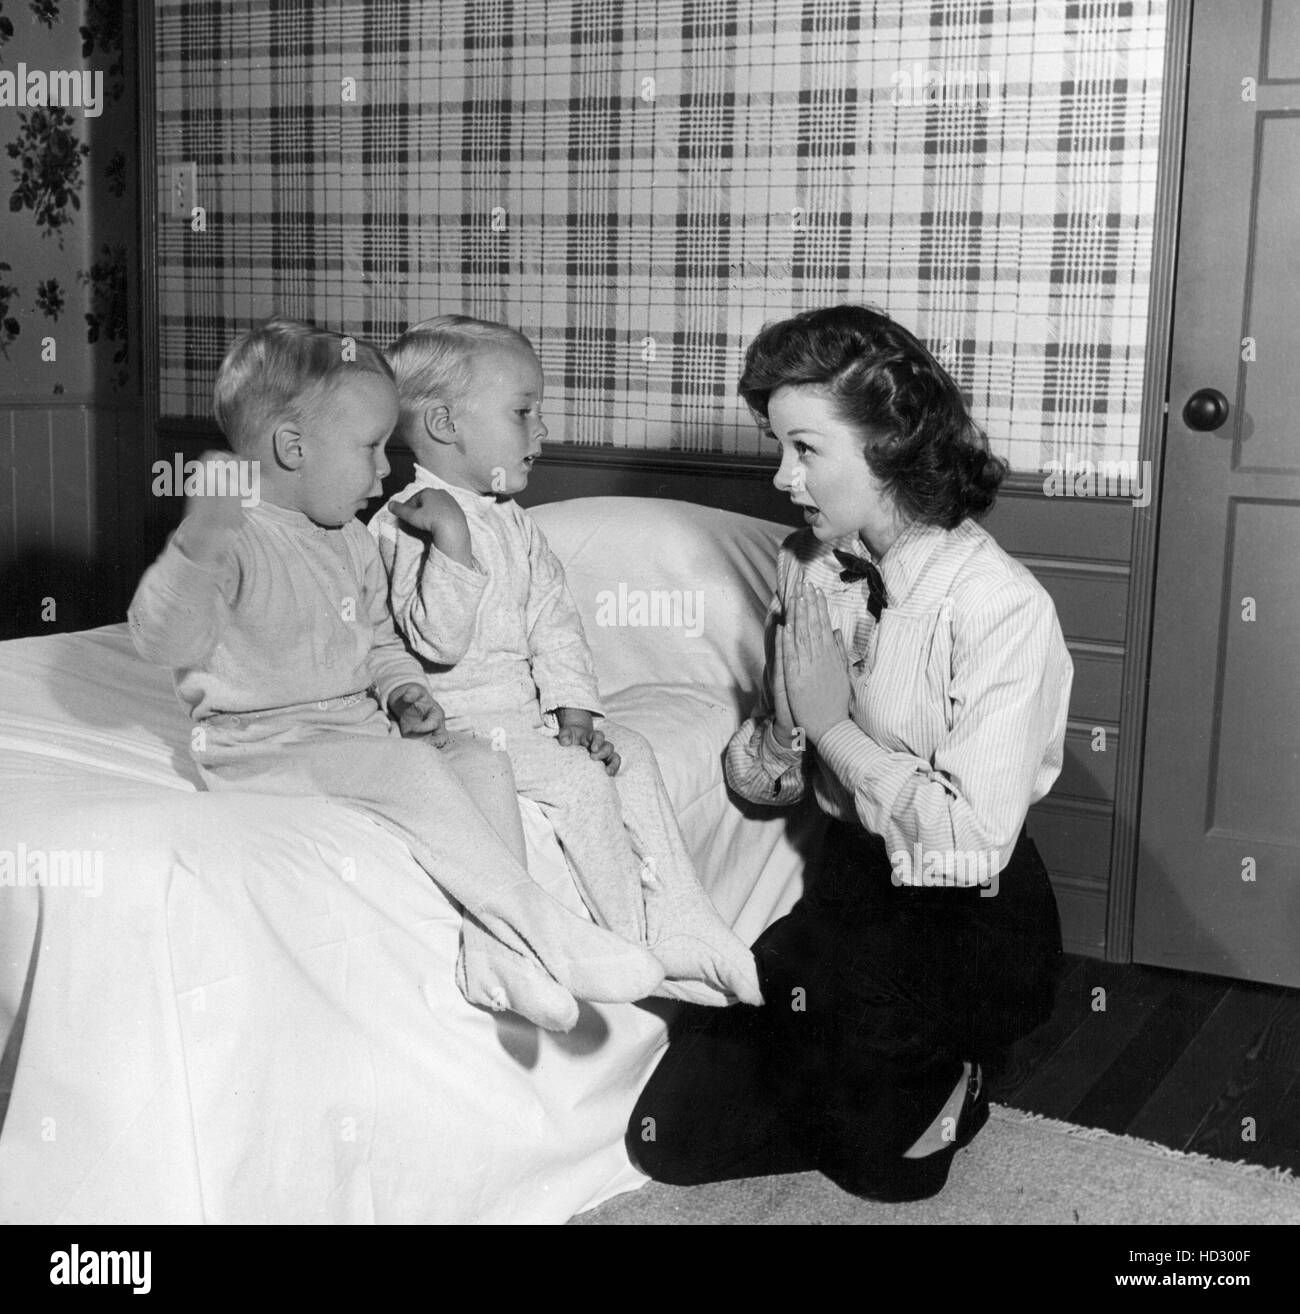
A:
[1218,877]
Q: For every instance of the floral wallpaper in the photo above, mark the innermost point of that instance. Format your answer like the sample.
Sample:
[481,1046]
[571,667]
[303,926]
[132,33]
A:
[67,202]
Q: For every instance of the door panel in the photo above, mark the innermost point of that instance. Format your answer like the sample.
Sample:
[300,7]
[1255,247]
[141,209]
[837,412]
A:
[1268,384]
[1218,881]
[1255,770]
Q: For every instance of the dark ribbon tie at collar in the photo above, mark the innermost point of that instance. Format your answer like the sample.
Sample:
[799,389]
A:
[860,568]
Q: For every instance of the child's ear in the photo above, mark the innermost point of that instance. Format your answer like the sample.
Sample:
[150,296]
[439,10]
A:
[287,445]
[438,423]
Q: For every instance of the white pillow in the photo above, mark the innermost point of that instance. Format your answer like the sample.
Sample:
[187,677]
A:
[669,592]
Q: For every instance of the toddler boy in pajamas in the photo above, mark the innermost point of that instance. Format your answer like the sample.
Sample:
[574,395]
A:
[482,603]
[274,618]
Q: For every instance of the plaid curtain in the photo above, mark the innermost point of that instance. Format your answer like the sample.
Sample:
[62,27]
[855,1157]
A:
[641,186]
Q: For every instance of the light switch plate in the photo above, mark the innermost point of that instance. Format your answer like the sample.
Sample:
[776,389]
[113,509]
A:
[184,183]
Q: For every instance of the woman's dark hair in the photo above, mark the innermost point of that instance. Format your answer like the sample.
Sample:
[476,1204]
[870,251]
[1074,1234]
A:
[919,439]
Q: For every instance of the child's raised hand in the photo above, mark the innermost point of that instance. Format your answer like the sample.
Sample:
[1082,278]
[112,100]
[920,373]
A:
[815,666]
[433,511]
[577,731]
[417,713]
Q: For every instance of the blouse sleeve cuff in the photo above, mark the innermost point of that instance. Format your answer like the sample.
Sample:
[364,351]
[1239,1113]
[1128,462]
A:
[851,754]
[774,755]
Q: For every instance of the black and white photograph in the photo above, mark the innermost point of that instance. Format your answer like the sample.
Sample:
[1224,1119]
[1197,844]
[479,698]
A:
[649,612]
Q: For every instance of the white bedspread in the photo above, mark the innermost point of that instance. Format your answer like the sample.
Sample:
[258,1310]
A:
[242,1010]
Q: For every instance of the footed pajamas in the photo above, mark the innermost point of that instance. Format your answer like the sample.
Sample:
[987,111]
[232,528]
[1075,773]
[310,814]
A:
[276,648]
[502,647]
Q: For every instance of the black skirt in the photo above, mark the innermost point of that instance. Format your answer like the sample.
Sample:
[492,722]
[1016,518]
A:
[875,994]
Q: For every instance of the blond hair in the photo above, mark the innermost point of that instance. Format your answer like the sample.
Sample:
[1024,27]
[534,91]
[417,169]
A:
[279,370]
[434,360]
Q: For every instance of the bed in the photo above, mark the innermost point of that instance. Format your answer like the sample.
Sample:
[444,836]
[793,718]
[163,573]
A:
[221,1008]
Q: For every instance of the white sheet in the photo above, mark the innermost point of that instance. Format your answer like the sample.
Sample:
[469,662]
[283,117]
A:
[244,1026]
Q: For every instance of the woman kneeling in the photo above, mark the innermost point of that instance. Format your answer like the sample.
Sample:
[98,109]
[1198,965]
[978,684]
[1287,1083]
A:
[918,682]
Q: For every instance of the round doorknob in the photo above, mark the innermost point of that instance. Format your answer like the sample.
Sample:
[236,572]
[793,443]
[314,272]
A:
[1206,409]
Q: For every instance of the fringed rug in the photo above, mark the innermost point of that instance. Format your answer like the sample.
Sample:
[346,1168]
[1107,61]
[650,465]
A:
[1020,1169]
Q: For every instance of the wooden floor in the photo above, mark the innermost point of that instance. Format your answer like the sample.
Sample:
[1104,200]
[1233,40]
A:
[1197,1063]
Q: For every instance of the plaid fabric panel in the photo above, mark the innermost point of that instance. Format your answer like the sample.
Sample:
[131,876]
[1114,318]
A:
[641,186]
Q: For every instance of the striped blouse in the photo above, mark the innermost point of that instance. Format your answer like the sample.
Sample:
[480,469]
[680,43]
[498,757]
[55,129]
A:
[960,693]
